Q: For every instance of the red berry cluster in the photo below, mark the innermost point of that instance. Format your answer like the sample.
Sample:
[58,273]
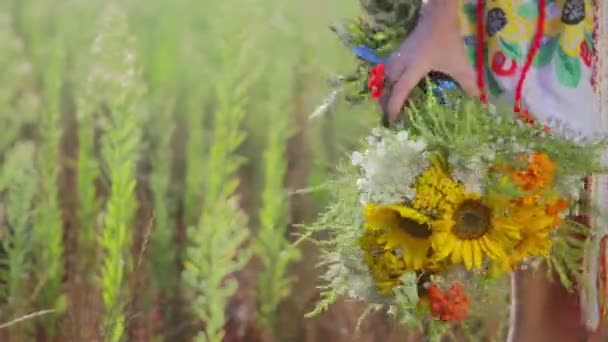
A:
[375,81]
[527,118]
[450,305]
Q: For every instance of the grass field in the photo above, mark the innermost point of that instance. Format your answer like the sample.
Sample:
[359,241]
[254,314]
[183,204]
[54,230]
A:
[149,160]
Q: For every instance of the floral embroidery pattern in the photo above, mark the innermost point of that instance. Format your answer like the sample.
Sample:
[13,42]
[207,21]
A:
[567,44]
[571,24]
[508,25]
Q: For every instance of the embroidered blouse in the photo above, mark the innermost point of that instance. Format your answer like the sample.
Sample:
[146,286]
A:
[537,55]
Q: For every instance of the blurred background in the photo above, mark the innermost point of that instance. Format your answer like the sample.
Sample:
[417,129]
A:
[152,159]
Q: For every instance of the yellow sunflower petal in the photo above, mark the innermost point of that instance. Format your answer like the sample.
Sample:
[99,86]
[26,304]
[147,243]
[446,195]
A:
[411,213]
[457,253]
[477,254]
[440,238]
[491,248]
[467,254]
[443,244]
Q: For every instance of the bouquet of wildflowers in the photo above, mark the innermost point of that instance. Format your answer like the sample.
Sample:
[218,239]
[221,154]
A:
[426,220]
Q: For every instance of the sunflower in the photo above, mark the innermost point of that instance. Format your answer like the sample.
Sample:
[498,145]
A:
[542,220]
[385,266]
[401,230]
[474,229]
[395,241]
[397,237]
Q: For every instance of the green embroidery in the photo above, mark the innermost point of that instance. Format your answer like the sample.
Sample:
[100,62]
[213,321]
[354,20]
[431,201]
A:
[471,55]
[589,39]
[545,53]
[493,86]
[512,50]
[528,11]
[568,69]
[471,11]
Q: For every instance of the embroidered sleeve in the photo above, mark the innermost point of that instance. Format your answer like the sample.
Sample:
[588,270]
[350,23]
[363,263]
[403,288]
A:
[536,54]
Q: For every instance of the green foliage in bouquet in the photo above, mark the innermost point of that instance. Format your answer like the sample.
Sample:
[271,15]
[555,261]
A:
[459,196]
[372,38]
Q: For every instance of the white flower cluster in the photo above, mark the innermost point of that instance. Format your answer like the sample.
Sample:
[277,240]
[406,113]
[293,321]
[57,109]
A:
[389,167]
[472,171]
[571,187]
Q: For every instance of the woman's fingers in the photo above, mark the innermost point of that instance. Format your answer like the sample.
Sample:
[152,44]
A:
[459,68]
[435,44]
[398,92]
[467,81]
[409,49]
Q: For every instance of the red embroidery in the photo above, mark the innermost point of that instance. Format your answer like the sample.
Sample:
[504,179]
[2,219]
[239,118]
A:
[538,36]
[529,59]
[499,65]
[595,55]
[586,53]
[526,117]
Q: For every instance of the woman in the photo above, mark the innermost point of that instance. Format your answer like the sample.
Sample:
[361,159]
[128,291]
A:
[535,55]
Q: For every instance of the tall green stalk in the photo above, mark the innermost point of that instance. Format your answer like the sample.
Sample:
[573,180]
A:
[115,80]
[48,225]
[18,179]
[216,245]
[18,104]
[272,246]
[163,254]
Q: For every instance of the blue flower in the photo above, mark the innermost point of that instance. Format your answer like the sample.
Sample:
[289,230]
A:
[446,84]
[368,54]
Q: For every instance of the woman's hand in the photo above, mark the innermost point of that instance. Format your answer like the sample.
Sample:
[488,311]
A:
[434,45]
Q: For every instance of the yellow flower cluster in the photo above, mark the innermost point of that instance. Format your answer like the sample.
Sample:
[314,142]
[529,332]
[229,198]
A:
[445,225]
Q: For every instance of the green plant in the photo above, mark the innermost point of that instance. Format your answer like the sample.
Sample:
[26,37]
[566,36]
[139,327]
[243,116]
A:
[18,179]
[272,247]
[217,243]
[211,105]
[48,224]
[17,102]
[115,80]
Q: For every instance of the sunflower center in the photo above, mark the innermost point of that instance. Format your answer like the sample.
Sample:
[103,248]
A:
[473,220]
[415,229]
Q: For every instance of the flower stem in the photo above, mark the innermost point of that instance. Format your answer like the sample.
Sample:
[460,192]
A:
[514,309]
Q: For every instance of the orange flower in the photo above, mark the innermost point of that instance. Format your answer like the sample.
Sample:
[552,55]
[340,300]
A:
[451,305]
[538,175]
[556,207]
